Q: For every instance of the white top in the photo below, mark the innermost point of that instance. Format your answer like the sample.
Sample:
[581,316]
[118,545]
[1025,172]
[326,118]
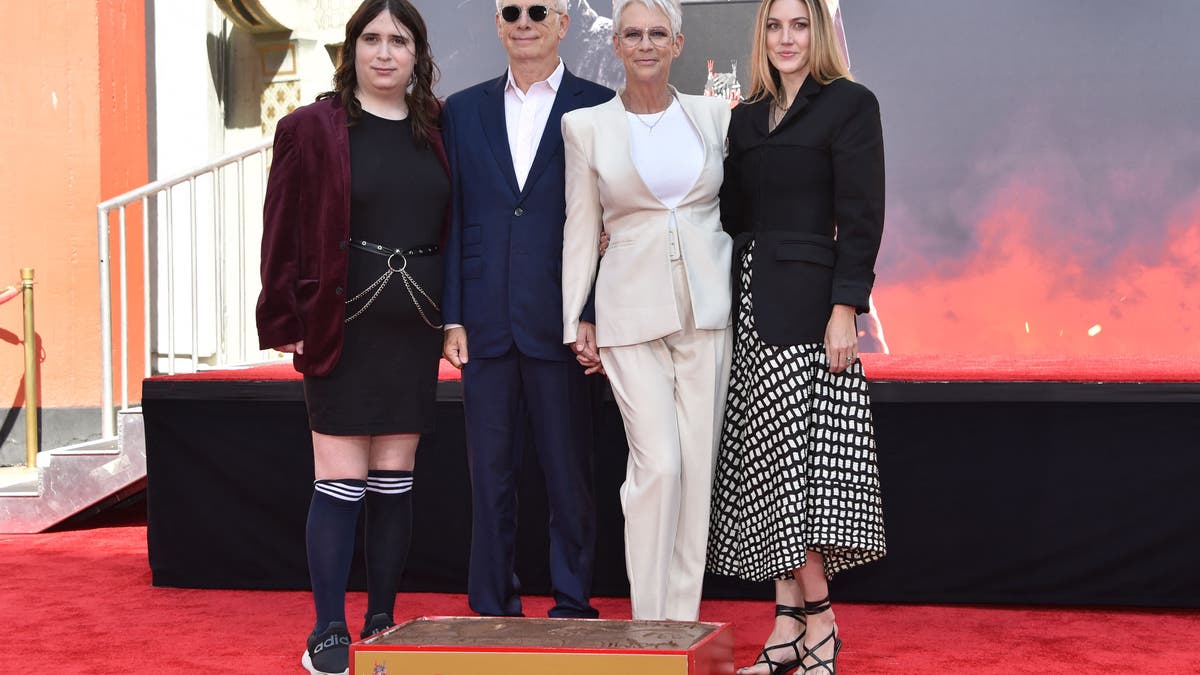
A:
[669,155]
[525,115]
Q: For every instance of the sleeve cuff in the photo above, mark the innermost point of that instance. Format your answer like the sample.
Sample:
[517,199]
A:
[856,296]
[288,333]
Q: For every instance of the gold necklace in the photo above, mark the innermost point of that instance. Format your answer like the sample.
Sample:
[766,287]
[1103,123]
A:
[778,112]
[650,125]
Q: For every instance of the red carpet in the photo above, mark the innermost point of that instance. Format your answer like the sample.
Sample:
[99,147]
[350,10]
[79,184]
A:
[81,602]
[899,368]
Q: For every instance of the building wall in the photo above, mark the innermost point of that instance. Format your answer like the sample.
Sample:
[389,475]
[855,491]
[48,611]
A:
[219,89]
[186,66]
[76,137]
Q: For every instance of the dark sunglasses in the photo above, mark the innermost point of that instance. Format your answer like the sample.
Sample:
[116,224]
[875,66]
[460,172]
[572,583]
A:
[537,13]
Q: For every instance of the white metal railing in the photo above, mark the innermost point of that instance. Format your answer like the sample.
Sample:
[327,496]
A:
[227,299]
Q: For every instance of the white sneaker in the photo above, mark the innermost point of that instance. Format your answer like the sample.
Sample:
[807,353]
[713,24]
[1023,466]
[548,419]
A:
[329,652]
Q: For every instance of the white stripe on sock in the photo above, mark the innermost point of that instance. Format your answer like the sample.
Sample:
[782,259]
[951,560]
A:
[390,491]
[348,489]
[389,486]
[342,491]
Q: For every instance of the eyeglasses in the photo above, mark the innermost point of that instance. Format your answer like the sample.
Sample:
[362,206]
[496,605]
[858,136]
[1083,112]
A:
[659,37]
[537,13]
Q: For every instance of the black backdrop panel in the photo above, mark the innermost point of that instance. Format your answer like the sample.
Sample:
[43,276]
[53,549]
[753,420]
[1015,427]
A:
[990,500]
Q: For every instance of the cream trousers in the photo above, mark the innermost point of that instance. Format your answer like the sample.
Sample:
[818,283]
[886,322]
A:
[671,393]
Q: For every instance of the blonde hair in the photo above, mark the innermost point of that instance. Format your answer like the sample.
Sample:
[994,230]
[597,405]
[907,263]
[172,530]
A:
[825,60]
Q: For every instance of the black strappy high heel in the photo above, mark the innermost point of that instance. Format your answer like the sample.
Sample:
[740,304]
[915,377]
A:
[821,665]
[789,666]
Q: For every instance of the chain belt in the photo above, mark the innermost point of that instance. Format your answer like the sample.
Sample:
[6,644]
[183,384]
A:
[392,254]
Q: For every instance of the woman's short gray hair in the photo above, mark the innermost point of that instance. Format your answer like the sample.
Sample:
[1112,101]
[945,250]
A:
[672,8]
[560,5]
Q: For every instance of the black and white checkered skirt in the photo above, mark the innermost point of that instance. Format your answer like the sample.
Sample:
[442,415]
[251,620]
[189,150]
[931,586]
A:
[796,469]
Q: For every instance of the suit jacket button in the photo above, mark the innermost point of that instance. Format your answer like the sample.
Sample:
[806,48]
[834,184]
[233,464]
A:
[519,212]
[342,245]
[337,291]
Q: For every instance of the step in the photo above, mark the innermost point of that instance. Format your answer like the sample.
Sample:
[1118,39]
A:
[71,479]
[19,481]
[103,446]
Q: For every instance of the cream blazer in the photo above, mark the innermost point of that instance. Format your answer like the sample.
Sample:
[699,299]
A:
[635,300]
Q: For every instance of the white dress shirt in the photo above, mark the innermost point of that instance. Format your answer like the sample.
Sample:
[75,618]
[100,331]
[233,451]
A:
[525,115]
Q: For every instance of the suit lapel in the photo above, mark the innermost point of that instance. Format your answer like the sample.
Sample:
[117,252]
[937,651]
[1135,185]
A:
[491,113]
[617,124]
[760,115]
[341,139]
[551,143]
[809,89]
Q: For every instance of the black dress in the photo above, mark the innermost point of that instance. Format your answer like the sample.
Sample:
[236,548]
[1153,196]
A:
[386,378]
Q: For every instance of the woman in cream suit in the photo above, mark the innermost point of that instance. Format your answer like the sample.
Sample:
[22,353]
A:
[646,168]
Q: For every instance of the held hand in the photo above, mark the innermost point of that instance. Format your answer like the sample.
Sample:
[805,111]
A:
[292,348]
[603,242]
[591,367]
[841,339]
[586,351]
[454,347]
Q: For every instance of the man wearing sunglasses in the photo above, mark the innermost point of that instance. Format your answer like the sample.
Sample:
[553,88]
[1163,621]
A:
[503,309]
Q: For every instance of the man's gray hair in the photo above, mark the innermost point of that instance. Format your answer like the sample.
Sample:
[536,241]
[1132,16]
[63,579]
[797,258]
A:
[560,5]
[672,8]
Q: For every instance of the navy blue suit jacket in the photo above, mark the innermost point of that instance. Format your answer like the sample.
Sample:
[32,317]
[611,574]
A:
[504,249]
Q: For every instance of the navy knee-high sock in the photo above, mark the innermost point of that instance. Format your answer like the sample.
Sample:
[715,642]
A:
[388,535]
[332,517]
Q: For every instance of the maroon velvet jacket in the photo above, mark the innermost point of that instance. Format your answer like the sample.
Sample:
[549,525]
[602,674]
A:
[306,224]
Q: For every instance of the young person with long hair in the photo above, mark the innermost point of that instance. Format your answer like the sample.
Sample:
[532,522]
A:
[796,497]
[356,206]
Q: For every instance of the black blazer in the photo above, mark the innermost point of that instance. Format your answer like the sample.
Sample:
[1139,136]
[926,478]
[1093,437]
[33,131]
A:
[810,195]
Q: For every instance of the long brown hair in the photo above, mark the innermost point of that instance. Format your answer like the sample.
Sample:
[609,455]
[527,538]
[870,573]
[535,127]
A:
[825,60]
[423,106]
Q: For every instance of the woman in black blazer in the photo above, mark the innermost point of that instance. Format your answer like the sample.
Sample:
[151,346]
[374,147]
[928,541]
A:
[796,498]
